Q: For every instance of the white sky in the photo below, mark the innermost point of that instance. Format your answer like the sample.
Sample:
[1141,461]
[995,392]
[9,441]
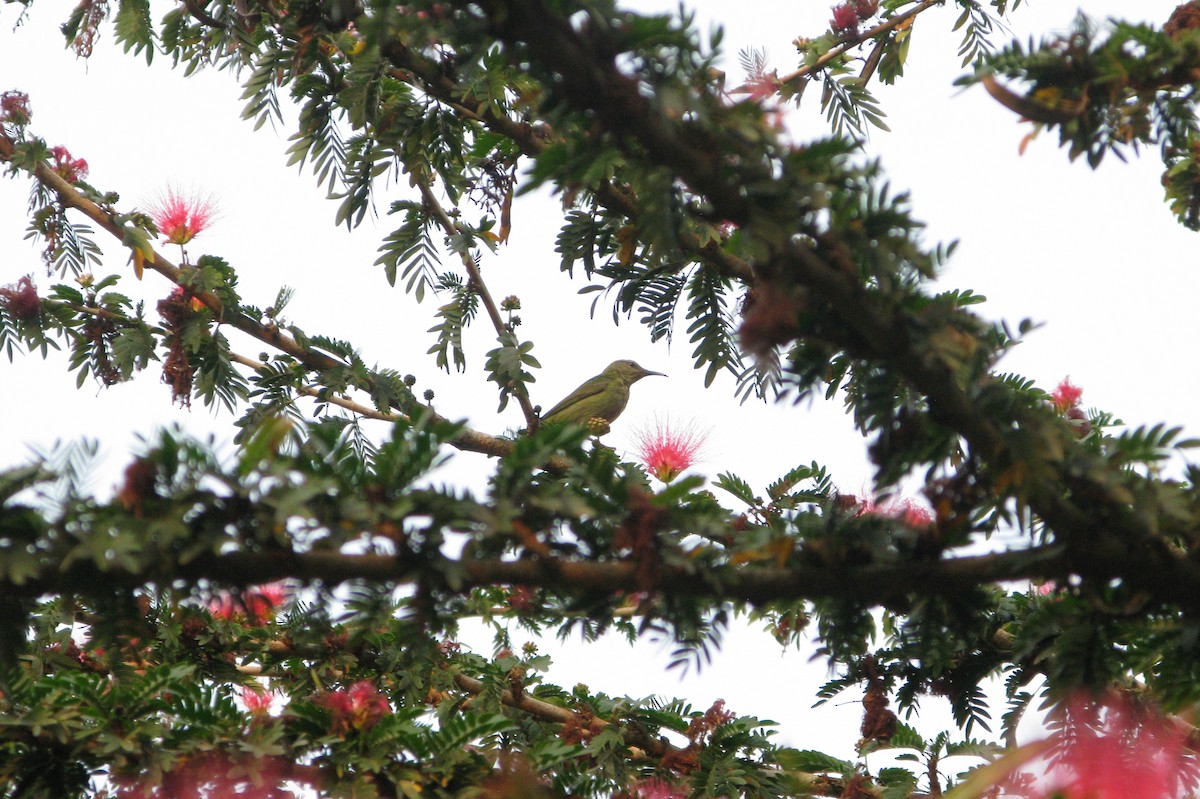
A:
[1096,256]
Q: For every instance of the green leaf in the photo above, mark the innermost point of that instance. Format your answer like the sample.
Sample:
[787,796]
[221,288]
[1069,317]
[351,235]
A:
[134,29]
[812,762]
[727,481]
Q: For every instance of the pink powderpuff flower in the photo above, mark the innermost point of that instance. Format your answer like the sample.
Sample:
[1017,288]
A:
[522,598]
[668,452]
[68,168]
[258,701]
[359,707]
[368,704]
[1113,749]
[909,511]
[845,18]
[14,108]
[1066,396]
[224,607]
[21,300]
[180,218]
[255,606]
[866,8]
[760,86]
[261,601]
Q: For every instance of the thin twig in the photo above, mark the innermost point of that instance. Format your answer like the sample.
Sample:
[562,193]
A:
[454,231]
[655,747]
[884,27]
[323,396]
[872,63]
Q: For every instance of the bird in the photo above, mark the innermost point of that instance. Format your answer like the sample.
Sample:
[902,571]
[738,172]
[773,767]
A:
[601,398]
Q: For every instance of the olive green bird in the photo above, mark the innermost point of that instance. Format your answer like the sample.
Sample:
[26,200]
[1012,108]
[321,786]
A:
[602,397]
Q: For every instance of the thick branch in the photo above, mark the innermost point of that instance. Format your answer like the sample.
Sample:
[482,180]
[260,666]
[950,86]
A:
[881,583]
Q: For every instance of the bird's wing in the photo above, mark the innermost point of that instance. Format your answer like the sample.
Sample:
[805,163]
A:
[589,389]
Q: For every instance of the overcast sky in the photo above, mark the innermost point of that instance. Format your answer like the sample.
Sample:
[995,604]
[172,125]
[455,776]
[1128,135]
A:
[1094,256]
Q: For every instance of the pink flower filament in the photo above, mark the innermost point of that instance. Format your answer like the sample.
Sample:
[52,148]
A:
[668,452]
[181,218]
[1066,395]
[68,168]
[1114,749]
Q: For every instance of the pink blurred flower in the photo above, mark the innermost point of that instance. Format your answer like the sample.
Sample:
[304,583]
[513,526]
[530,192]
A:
[909,511]
[254,606]
[262,600]
[258,701]
[760,86]
[912,513]
[866,8]
[1065,399]
[21,300]
[180,218]
[219,774]
[360,707]
[845,18]
[14,108]
[668,452]
[223,607]
[655,788]
[1066,396]
[368,703]
[69,168]
[522,598]
[1113,749]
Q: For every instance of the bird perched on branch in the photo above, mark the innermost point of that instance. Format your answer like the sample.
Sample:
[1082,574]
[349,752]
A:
[600,400]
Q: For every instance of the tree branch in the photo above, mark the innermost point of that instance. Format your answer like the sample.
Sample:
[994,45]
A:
[324,396]
[453,231]
[1077,497]
[879,583]
[1029,108]
[887,26]
[70,197]
[430,77]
